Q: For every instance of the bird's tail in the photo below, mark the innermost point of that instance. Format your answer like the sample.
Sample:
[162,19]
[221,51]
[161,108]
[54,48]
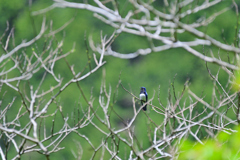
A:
[145,108]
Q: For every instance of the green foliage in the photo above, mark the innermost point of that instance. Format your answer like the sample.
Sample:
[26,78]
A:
[236,82]
[9,10]
[149,71]
[224,146]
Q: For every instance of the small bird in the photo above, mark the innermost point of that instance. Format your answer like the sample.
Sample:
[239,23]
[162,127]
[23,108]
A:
[143,97]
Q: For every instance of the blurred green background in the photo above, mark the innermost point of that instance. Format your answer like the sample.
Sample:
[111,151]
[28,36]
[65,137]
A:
[151,71]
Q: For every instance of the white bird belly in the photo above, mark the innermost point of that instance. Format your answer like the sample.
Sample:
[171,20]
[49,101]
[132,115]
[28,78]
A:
[142,96]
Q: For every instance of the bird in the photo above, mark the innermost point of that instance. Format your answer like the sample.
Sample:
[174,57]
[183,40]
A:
[143,97]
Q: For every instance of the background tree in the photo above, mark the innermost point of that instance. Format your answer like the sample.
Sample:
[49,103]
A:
[54,99]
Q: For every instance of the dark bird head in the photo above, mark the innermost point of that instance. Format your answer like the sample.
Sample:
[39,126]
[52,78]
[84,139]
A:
[143,89]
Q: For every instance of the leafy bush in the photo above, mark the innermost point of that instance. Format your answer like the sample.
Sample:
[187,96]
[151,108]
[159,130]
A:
[226,145]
